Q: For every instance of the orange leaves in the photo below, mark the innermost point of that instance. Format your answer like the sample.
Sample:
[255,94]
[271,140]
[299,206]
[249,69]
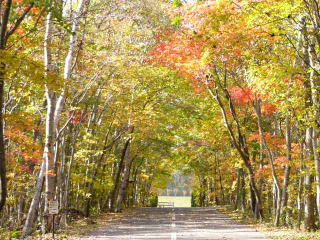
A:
[269,108]
[35,10]
[23,152]
[241,95]
[299,80]
[49,173]
[273,141]
[264,172]
[280,161]
[20,31]
[178,51]
[296,150]
[255,137]
[18,1]
[211,33]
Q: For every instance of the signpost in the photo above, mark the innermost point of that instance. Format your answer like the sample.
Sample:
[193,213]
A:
[53,210]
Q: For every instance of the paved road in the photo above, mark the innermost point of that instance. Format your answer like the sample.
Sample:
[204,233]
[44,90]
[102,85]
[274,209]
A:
[176,223]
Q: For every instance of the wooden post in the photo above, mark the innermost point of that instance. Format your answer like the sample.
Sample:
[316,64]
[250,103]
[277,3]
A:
[53,226]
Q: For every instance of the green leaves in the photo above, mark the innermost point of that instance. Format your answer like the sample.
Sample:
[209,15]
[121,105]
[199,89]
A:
[177,3]
[176,21]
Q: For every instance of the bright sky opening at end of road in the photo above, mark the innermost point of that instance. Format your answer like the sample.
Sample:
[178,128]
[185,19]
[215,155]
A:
[178,192]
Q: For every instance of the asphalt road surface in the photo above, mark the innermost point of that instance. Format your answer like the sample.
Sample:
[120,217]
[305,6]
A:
[176,223]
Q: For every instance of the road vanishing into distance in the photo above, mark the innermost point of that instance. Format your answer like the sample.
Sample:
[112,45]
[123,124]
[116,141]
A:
[176,223]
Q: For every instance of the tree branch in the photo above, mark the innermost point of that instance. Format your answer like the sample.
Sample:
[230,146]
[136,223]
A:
[19,21]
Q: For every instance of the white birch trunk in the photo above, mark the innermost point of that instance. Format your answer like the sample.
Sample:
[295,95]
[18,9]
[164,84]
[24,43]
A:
[46,165]
[54,109]
[68,65]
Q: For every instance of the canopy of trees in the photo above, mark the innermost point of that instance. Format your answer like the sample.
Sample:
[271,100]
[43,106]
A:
[102,101]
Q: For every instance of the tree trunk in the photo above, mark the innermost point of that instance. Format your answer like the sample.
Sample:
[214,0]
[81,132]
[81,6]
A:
[48,161]
[314,92]
[309,221]
[3,31]
[286,179]
[278,189]
[125,179]
[27,228]
[240,144]
[3,180]
[49,153]
[118,175]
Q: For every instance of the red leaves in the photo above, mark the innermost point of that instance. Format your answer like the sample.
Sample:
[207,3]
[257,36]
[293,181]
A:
[241,95]
[77,116]
[25,168]
[244,95]
[178,52]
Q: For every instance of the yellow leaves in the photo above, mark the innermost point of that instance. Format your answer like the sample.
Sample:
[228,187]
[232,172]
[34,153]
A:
[144,176]
[10,201]
[37,168]
[11,175]
[31,70]
[87,195]
[78,178]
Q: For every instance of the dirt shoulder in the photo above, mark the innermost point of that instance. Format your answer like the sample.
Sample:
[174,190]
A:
[280,233]
[84,226]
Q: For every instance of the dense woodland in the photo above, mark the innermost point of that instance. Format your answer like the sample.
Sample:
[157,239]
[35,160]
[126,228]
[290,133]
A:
[103,100]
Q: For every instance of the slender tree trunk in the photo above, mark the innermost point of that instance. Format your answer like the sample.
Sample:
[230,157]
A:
[300,204]
[49,152]
[136,191]
[68,64]
[125,179]
[34,207]
[222,197]
[68,177]
[287,170]
[97,167]
[239,189]
[278,189]
[46,165]
[309,221]
[118,175]
[3,40]
[3,180]
[215,188]
[309,218]
[314,92]
[241,146]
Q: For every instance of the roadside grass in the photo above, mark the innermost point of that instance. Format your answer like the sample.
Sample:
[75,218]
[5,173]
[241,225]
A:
[75,229]
[277,233]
